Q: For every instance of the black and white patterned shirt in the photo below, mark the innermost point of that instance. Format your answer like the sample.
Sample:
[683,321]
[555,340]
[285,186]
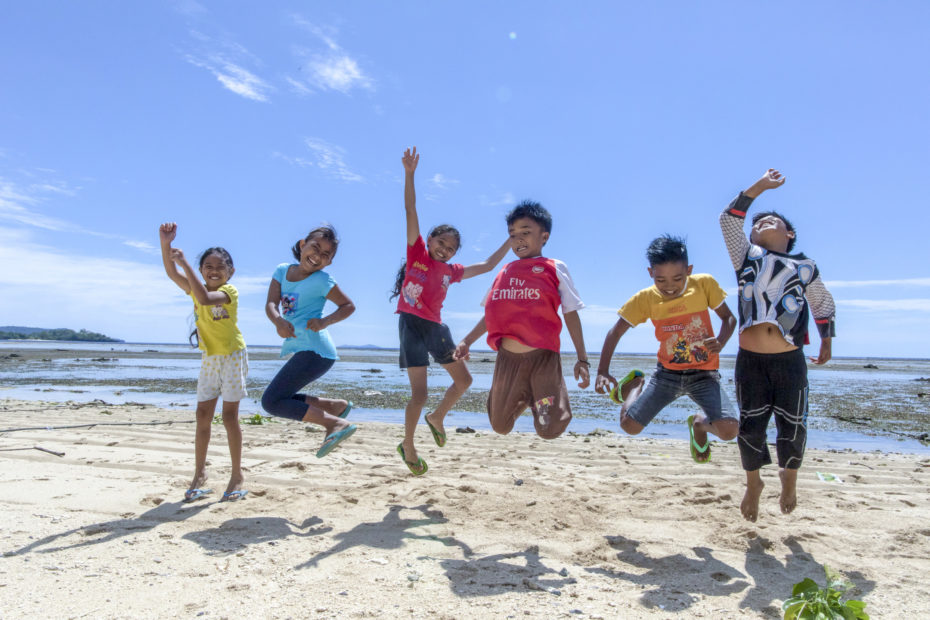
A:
[775,288]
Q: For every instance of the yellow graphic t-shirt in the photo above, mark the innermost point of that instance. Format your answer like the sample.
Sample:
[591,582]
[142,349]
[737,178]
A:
[217,330]
[682,324]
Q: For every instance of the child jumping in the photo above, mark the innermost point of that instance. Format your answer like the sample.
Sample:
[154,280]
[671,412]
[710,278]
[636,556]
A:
[224,363]
[296,298]
[688,355]
[775,290]
[522,322]
[421,286]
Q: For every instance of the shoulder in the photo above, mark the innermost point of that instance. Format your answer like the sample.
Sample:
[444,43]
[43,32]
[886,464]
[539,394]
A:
[230,290]
[281,271]
[704,280]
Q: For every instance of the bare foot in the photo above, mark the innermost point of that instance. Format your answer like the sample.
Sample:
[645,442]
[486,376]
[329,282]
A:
[636,382]
[750,504]
[700,438]
[338,425]
[437,424]
[199,481]
[789,486]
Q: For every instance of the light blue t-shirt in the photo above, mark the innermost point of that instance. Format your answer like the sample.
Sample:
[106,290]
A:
[300,302]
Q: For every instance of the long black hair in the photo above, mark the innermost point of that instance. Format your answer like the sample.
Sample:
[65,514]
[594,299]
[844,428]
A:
[435,232]
[194,338]
[326,232]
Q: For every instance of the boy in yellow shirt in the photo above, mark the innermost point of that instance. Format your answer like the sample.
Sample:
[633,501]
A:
[678,305]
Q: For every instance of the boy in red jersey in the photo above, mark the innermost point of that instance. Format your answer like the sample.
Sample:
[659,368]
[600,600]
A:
[522,322]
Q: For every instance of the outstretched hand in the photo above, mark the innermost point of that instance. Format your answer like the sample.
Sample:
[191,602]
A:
[582,374]
[167,232]
[603,384]
[461,352]
[410,160]
[826,352]
[771,179]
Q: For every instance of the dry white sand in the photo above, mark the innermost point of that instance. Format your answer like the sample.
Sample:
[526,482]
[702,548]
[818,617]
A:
[601,526]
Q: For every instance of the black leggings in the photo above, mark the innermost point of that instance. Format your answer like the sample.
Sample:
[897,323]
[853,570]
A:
[282,397]
[768,383]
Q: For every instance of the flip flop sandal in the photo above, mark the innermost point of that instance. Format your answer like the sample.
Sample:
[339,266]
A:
[346,410]
[192,495]
[696,450]
[616,393]
[417,469]
[334,440]
[438,436]
[234,496]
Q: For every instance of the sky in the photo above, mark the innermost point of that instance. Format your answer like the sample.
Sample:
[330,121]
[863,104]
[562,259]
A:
[251,123]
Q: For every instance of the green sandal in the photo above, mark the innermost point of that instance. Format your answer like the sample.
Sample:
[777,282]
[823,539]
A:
[615,394]
[696,450]
[417,469]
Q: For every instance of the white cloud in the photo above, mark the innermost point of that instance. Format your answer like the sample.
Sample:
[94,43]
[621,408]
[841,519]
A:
[332,68]
[864,283]
[327,157]
[145,246]
[507,198]
[886,305]
[233,77]
[440,181]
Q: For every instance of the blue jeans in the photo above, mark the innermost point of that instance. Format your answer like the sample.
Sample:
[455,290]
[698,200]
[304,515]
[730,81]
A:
[703,386]
[282,397]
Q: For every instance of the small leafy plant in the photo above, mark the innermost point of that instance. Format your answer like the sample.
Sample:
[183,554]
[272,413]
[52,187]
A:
[252,419]
[811,602]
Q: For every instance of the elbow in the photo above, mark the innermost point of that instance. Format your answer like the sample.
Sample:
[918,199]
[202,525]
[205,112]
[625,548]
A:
[348,308]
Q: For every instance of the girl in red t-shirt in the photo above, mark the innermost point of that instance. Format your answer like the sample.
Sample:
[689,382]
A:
[421,287]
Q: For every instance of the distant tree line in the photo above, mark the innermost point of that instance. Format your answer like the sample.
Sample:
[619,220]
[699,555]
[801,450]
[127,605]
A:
[57,334]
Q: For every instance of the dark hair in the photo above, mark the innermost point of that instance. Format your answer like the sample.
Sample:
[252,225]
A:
[326,232]
[442,229]
[532,210]
[194,337]
[667,249]
[788,225]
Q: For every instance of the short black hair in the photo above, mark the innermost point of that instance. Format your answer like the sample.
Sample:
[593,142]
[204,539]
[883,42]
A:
[532,210]
[667,249]
[788,225]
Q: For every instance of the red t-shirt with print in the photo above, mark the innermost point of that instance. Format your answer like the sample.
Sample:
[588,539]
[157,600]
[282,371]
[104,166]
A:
[425,283]
[523,303]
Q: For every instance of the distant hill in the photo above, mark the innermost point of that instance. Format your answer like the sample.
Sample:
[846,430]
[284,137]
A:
[16,332]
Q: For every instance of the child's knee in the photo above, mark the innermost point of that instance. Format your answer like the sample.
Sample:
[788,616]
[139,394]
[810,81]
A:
[501,426]
[727,429]
[631,426]
[464,383]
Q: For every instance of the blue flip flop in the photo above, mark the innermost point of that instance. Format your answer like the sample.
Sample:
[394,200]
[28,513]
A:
[234,496]
[192,495]
[334,440]
[346,411]
[615,394]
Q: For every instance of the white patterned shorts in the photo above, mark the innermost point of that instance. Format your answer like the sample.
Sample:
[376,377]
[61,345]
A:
[223,375]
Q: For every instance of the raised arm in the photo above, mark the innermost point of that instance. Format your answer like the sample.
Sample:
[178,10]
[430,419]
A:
[344,308]
[582,366]
[200,292]
[461,351]
[733,217]
[166,234]
[605,381]
[284,327]
[410,161]
[485,266]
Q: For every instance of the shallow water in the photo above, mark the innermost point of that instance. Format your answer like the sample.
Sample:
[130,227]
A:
[883,408]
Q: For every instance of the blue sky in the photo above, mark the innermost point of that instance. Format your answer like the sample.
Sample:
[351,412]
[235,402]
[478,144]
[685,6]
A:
[251,123]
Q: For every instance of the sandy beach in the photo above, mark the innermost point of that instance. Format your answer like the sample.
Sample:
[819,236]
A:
[501,526]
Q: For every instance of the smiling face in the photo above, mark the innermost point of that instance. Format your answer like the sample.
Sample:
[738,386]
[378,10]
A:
[315,253]
[771,233]
[527,237]
[442,247]
[670,279]
[215,271]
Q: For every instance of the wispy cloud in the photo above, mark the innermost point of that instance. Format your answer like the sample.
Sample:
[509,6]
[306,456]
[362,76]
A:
[507,198]
[440,181]
[326,157]
[886,305]
[233,77]
[831,284]
[329,68]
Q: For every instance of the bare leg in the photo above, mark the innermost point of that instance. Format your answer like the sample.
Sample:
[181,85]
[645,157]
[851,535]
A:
[461,380]
[726,429]
[630,392]
[234,439]
[789,487]
[204,414]
[325,412]
[417,375]
[750,505]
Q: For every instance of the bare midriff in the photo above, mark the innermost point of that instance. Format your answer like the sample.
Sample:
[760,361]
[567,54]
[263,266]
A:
[764,338]
[509,344]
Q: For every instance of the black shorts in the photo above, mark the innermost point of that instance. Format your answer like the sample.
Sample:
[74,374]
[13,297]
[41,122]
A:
[420,338]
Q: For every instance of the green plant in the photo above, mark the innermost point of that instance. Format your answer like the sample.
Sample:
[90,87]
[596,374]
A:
[252,419]
[811,602]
